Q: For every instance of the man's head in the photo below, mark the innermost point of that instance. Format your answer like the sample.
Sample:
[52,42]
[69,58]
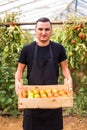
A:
[43,29]
[43,19]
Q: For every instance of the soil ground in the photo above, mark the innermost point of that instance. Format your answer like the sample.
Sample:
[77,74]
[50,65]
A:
[70,123]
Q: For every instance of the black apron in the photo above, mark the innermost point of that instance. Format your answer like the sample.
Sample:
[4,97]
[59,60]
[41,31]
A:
[43,73]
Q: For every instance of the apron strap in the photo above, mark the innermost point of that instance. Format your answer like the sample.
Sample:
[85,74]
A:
[35,54]
[51,53]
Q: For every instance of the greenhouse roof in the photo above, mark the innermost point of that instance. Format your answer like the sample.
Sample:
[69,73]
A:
[31,10]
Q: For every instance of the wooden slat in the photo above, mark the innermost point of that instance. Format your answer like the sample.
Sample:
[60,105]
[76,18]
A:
[45,102]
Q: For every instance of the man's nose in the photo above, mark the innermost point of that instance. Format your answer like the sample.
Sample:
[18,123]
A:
[43,32]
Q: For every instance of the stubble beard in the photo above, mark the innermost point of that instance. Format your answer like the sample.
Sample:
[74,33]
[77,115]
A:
[44,40]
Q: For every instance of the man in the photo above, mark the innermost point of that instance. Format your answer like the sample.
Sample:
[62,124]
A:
[42,59]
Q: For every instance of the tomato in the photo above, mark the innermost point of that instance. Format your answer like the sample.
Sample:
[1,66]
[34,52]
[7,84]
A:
[81,35]
[54,90]
[76,27]
[73,41]
[24,94]
[50,94]
[41,91]
[43,95]
[36,91]
[48,90]
[36,96]
[55,94]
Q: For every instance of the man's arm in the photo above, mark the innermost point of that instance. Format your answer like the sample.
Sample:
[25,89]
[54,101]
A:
[18,77]
[66,73]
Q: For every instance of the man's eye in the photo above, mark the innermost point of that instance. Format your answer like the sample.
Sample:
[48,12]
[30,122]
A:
[40,29]
[46,29]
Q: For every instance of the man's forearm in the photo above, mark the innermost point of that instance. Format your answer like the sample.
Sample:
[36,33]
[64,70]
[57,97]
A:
[18,75]
[66,74]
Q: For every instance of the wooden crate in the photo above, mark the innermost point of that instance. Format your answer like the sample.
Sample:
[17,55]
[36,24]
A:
[53,102]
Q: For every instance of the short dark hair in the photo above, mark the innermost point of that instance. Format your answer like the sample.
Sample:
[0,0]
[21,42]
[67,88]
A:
[43,19]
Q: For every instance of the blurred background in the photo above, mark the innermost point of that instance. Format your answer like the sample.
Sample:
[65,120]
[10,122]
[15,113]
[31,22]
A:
[17,21]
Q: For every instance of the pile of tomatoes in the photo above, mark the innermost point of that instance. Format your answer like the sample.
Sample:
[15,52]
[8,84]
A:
[44,93]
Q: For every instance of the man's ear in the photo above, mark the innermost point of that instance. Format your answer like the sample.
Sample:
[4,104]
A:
[51,33]
[35,29]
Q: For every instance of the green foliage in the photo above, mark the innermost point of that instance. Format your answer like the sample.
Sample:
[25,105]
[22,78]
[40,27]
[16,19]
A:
[80,103]
[74,38]
[12,39]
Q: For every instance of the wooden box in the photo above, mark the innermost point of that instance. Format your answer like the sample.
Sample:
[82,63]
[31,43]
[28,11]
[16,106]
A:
[52,102]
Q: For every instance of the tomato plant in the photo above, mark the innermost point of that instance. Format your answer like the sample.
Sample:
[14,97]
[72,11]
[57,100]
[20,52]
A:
[12,39]
[74,39]
[73,36]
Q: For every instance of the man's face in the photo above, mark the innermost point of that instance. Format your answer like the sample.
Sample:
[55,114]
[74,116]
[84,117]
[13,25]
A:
[43,31]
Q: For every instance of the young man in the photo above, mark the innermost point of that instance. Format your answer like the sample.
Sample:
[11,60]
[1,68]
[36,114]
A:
[42,59]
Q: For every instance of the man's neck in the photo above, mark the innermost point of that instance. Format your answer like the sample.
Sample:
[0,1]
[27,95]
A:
[40,43]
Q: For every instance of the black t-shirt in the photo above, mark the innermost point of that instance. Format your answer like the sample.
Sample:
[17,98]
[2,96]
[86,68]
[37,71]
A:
[43,53]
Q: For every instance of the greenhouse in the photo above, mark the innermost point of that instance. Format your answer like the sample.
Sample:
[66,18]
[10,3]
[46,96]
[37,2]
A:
[17,30]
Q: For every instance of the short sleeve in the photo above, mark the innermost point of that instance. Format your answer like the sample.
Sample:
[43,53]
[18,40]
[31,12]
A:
[23,56]
[63,55]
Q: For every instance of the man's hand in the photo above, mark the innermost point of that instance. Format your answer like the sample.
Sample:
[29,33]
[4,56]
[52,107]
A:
[70,83]
[18,86]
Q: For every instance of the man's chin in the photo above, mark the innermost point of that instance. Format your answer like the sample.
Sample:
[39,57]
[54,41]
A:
[44,40]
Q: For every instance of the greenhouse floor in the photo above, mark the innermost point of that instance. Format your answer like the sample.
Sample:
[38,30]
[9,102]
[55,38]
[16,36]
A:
[70,123]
